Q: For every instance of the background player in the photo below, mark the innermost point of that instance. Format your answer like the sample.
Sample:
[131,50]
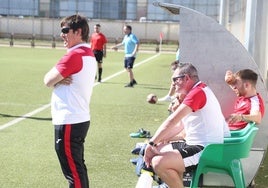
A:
[98,45]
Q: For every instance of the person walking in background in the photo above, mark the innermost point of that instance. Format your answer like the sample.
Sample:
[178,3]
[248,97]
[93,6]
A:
[98,45]
[249,106]
[131,44]
[72,80]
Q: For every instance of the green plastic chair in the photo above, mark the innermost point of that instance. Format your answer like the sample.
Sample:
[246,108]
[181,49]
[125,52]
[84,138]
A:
[243,131]
[225,158]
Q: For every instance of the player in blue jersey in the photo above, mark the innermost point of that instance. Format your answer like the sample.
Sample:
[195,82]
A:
[131,44]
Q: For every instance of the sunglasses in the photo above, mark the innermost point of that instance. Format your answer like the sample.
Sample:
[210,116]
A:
[65,30]
[177,77]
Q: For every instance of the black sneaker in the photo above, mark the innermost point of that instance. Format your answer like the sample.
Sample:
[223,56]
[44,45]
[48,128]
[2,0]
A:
[134,161]
[134,82]
[129,85]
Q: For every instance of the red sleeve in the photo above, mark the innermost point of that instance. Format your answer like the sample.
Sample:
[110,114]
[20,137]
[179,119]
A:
[104,39]
[69,64]
[195,99]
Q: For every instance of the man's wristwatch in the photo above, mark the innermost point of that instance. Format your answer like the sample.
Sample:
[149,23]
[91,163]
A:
[152,143]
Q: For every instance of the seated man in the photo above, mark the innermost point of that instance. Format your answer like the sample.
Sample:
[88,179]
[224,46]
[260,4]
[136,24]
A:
[170,96]
[249,106]
[199,115]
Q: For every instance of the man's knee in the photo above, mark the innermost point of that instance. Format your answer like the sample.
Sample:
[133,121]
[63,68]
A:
[163,163]
[128,69]
[157,164]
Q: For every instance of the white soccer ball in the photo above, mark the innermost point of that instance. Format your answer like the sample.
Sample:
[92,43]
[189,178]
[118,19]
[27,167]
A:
[152,98]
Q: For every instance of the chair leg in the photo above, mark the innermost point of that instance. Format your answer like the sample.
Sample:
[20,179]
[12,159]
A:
[237,174]
[195,179]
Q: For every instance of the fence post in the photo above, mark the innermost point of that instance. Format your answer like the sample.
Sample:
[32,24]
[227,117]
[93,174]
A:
[11,43]
[32,41]
[157,48]
[53,42]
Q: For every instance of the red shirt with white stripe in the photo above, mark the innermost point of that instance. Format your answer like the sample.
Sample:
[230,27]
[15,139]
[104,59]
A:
[246,105]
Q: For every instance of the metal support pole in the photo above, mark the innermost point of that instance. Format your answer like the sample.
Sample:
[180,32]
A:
[224,13]
[250,26]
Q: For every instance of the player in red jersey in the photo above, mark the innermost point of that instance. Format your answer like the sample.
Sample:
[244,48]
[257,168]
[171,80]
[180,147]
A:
[249,106]
[98,45]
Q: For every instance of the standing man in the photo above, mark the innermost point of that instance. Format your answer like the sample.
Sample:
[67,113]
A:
[131,44]
[72,80]
[98,45]
[199,115]
[249,106]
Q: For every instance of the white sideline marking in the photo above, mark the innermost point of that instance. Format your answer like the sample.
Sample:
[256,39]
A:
[122,71]
[23,117]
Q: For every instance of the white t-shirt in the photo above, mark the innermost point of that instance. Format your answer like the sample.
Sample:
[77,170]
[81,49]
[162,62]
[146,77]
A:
[206,124]
[70,103]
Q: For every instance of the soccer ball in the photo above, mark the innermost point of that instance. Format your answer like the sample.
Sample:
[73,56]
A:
[152,98]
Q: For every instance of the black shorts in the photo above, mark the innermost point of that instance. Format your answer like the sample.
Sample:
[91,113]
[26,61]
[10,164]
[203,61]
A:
[129,62]
[98,55]
[189,153]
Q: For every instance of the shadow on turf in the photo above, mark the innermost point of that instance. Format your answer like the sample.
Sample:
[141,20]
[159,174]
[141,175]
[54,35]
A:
[147,86]
[27,117]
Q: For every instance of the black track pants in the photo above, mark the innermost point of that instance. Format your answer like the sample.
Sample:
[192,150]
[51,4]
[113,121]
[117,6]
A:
[69,146]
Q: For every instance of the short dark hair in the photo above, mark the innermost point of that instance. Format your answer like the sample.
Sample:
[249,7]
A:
[175,62]
[75,22]
[248,75]
[174,65]
[98,25]
[128,27]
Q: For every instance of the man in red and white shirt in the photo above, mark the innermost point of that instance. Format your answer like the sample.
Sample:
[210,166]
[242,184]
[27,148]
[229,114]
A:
[249,106]
[199,115]
[72,80]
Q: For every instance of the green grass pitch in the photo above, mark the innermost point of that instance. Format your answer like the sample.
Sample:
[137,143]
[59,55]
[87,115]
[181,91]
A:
[27,158]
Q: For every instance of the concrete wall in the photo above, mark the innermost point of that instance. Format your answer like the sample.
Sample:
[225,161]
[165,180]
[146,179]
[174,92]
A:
[43,28]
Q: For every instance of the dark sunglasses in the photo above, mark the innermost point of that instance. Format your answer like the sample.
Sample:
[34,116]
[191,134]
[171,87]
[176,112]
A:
[177,77]
[65,30]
